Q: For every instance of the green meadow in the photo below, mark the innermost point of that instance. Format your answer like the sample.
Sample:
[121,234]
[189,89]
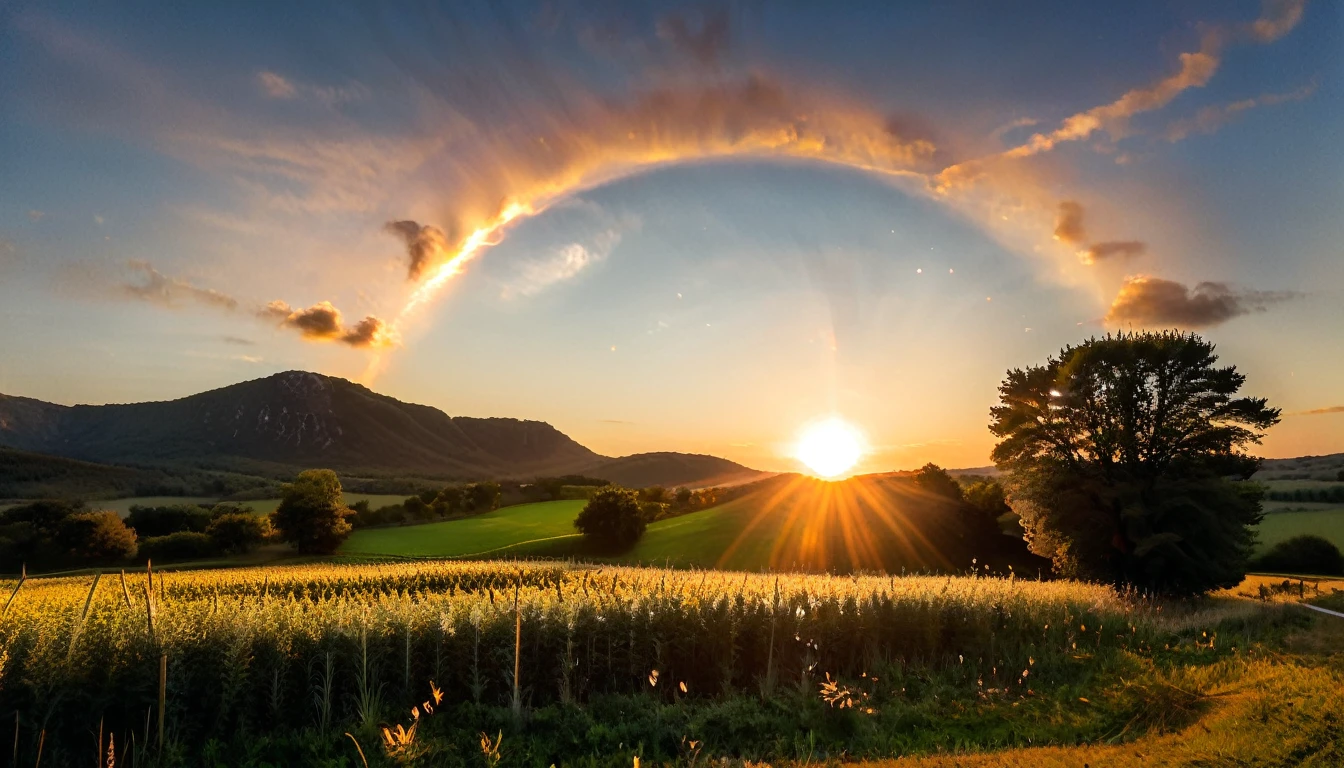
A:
[478,535]
[1327,523]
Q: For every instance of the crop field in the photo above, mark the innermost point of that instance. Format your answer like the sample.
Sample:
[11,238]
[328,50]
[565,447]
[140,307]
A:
[1276,527]
[479,534]
[271,656]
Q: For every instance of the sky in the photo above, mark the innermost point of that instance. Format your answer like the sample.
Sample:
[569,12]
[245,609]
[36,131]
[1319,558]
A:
[672,227]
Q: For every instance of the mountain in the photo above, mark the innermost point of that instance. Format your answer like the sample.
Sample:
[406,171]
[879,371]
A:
[294,420]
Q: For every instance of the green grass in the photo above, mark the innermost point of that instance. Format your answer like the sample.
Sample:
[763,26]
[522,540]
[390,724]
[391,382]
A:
[1328,523]
[793,523]
[470,536]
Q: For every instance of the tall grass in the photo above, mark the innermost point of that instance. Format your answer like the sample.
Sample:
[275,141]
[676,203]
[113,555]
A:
[332,646]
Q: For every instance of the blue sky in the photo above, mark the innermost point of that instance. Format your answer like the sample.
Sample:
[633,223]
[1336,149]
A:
[674,227]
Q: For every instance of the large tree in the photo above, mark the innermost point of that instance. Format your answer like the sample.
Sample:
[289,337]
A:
[312,512]
[612,518]
[1121,456]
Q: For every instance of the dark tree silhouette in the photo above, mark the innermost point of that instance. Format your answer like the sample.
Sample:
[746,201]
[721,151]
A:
[312,512]
[612,518]
[1118,454]
[935,480]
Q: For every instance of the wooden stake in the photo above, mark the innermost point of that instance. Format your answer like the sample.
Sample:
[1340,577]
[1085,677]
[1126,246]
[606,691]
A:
[125,593]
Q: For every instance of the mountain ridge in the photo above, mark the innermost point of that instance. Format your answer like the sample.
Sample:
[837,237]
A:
[298,419]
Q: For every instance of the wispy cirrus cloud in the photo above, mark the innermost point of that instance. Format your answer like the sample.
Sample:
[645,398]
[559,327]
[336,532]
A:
[1211,118]
[276,86]
[1320,411]
[157,288]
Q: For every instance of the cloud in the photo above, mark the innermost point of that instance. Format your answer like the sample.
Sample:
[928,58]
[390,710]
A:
[323,322]
[427,246]
[1069,225]
[1151,301]
[238,341]
[705,38]
[276,86]
[1194,70]
[158,288]
[563,264]
[1116,248]
[369,332]
[1069,230]
[35,215]
[1211,118]
[1320,411]
[1277,19]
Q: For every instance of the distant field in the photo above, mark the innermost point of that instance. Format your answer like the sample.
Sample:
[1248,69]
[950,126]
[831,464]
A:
[376,500]
[123,506]
[1328,523]
[1275,507]
[1295,485]
[474,535]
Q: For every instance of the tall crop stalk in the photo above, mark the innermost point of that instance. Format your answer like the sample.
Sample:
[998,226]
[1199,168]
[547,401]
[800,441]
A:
[517,704]
[83,616]
[23,576]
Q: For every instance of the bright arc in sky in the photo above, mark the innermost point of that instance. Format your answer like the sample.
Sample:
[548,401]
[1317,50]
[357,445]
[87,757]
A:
[829,447]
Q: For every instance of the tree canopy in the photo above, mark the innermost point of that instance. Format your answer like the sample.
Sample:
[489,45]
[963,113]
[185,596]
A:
[612,518]
[1119,453]
[312,512]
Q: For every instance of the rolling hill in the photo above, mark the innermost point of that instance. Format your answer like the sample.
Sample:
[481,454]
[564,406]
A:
[295,420]
[786,522]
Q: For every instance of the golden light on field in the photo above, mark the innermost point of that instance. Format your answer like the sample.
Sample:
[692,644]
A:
[829,448]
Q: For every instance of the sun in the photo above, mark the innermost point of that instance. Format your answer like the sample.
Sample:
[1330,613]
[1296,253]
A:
[830,447]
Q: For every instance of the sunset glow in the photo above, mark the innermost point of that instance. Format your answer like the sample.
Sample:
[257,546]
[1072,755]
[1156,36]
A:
[830,448]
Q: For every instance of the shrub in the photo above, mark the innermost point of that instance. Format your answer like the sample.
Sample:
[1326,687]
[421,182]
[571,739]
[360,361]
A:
[238,532]
[161,521]
[44,515]
[612,518]
[390,514]
[96,537]
[312,512]
[1303,554]
[176,547]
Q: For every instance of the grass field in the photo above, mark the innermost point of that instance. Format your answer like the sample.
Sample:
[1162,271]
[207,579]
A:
[474,535]
[1328,523]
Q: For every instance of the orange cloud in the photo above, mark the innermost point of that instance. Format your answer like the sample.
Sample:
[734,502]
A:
[323,322]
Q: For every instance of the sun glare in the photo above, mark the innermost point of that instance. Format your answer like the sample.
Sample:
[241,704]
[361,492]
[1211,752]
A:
[829,448]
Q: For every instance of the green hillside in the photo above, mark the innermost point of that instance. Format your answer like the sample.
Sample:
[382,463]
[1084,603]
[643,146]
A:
[476,535]
[785,523]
